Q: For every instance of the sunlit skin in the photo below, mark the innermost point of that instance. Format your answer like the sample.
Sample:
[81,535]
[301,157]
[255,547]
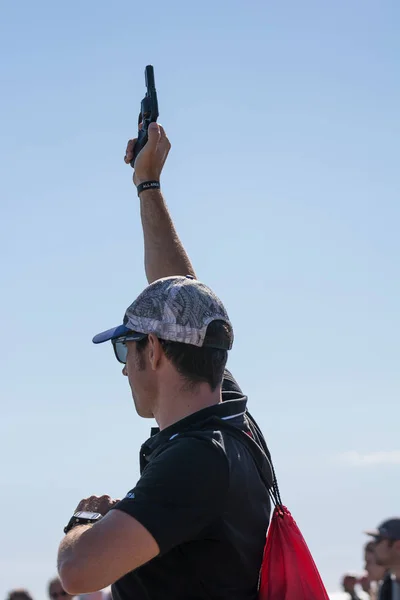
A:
[57,592]
[142,377]
[158,390]
[375,571]
[387,555]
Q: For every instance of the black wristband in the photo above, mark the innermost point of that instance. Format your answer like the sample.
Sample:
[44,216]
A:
[148,185]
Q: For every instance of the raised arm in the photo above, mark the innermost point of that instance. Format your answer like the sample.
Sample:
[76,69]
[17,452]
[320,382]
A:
[164,254]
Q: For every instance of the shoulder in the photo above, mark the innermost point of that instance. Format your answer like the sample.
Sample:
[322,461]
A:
[191,455]
[202,445]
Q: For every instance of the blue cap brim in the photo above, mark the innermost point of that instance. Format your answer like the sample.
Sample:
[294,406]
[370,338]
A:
[111,334]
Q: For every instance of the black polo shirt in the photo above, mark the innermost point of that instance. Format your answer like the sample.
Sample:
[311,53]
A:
[203,496]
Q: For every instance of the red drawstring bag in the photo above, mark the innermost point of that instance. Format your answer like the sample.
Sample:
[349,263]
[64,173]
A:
[288,571]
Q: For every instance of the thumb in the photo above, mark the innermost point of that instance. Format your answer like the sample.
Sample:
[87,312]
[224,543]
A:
[153,136]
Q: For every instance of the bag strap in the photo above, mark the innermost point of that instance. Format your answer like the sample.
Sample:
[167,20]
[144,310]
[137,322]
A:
[258,449]
[261,443]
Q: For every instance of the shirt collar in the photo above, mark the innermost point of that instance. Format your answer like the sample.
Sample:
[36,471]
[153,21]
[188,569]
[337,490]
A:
[230,410]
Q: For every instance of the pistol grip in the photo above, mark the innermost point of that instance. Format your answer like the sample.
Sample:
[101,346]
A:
[141,142]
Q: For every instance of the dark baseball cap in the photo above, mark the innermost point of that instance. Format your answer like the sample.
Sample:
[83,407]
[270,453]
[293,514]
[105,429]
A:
[176,309]
[389,529]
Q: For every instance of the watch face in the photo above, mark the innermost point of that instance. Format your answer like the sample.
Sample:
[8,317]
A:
[87,515]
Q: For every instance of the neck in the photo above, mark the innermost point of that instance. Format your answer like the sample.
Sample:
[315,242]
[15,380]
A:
[178,402]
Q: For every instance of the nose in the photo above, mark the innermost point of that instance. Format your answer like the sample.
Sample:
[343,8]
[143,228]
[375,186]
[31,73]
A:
[124,371]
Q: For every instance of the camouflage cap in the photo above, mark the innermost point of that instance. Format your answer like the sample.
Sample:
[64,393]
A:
[177,309]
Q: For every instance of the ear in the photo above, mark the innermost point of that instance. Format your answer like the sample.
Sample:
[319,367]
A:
[155,352]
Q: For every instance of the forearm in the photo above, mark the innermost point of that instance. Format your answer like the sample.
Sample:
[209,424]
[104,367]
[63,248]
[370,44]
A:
[69,553]
[164,254]
[92,557]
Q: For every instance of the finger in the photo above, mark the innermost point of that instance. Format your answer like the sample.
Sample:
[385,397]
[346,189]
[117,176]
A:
[130,146]
[105,502]
[86,503]
[164,141]
[154,134]
[164,155]
[164,145]
[162,132]
[93,502]
[164,148]
[129,151]
[81,505]
[164,138]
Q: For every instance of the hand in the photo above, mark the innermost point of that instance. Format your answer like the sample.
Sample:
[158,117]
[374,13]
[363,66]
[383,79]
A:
[150,160]
[99,504]
[349,583]
[365,583]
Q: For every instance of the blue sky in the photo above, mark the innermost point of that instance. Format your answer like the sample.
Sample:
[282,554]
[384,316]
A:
[284,184]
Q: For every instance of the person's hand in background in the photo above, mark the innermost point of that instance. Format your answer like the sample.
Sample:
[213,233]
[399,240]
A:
[365,583]
[349,584]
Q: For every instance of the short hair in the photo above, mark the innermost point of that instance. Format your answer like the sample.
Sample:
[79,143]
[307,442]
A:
[18,593]
[52,582]
[199,364]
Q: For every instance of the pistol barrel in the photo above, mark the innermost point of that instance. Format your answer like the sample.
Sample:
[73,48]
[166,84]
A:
[149,77]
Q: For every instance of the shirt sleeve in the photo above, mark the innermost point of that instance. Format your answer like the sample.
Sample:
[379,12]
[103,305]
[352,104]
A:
[181,490]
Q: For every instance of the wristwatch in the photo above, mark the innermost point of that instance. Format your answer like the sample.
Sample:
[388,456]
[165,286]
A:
[82,518]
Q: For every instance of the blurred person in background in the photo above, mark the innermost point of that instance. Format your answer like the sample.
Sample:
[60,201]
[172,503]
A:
[375,572]
[349,583]
[19,594]
[387,555]
[56,590]
[366,586]
[93,596]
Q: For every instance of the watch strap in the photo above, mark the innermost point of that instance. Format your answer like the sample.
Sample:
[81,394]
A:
[82,518]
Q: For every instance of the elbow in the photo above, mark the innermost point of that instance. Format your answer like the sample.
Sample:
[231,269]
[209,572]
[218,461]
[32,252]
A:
[74,579]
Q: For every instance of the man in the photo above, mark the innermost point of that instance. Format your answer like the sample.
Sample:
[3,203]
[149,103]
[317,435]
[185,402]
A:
[19,594]
[376,573]
[194,525]
[387,555]
[56,590]
[349,585]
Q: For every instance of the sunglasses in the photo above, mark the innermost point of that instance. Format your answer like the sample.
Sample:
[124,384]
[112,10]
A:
[56,595]
[120,347]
